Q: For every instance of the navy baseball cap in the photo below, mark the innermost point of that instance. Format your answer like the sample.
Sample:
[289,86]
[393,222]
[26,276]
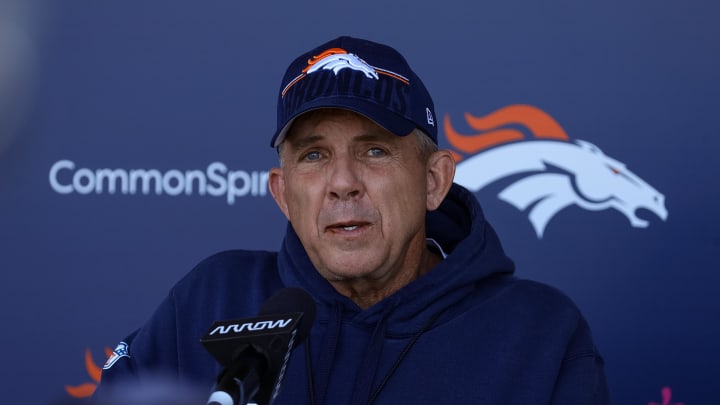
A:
[358,75]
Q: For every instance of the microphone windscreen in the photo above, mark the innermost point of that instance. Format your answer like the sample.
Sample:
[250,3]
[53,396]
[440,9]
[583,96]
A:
[292,299]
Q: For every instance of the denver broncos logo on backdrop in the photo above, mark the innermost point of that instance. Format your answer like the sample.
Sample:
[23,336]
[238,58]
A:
[85,390]
[337,59]
[548,171]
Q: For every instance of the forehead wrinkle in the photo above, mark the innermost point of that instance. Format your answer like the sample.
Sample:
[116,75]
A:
[375,136]
[299,142]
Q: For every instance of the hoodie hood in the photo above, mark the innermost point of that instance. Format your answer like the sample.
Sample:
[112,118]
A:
[458,225]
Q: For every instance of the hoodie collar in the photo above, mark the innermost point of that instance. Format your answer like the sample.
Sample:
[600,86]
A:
[459,226]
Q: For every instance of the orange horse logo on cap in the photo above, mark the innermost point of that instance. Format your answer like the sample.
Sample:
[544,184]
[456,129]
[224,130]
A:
[337,59]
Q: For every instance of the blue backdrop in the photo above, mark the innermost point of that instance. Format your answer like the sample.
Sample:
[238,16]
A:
[134,142]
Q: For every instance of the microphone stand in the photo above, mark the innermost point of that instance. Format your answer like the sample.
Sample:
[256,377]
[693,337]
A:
[239,381]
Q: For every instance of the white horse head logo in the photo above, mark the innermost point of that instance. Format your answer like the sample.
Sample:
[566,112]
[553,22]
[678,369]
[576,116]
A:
[337,59]
[558,173]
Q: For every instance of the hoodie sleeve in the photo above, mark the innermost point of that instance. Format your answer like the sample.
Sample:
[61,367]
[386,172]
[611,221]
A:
[150,351]
[581,380]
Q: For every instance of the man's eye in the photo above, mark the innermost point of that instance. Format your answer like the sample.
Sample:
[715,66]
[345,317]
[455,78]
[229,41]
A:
[314,155]
[376,152]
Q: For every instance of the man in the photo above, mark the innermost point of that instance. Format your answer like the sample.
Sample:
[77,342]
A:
[416,300]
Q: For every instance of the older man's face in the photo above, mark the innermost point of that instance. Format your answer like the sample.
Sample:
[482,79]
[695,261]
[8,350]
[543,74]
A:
[355,194]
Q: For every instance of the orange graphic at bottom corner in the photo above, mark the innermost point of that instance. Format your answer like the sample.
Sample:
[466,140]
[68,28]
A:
[85,390]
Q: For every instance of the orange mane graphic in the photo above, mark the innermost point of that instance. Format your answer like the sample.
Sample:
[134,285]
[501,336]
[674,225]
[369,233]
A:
[555,172]
[86,390]
[493,128]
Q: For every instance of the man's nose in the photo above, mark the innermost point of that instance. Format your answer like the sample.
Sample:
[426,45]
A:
[344,179]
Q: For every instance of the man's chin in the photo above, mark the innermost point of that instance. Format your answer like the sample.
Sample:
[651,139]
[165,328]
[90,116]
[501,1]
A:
[348,271]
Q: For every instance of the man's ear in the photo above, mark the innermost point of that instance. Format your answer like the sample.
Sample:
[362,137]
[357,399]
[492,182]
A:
[276,182]
[440,174]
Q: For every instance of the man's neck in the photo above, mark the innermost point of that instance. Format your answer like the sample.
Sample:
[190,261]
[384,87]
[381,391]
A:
[368,292]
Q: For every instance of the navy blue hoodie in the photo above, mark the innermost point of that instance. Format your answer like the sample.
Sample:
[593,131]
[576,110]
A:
[466,332]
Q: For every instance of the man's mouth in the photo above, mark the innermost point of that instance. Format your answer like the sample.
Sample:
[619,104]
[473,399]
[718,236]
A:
[347,226]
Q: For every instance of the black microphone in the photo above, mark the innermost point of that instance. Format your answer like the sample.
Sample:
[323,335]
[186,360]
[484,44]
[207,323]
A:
[254,352]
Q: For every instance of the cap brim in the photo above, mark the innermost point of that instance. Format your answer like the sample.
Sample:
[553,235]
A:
[394,123]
